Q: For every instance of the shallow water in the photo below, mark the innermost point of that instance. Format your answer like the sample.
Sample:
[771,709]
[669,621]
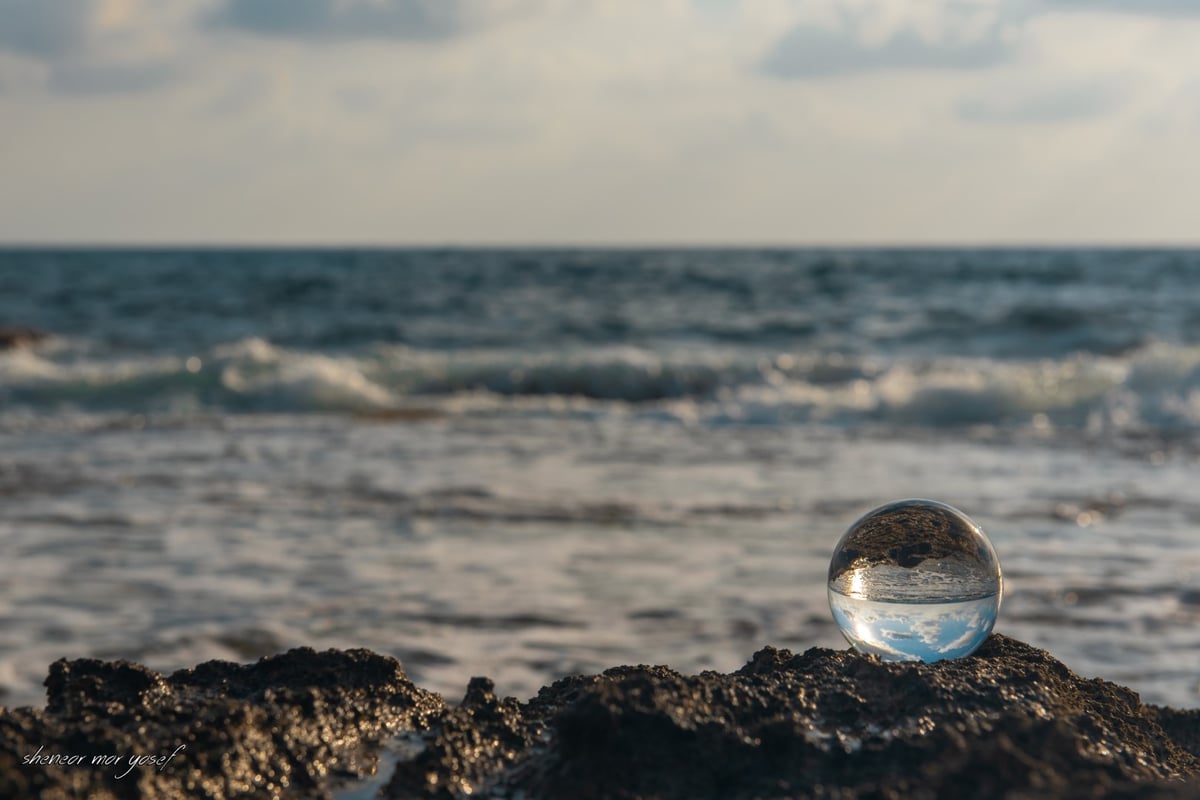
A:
[525,465]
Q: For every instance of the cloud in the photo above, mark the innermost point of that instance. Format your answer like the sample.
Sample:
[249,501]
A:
[811,52]
[601,131]
[930,36]
[96,46]
[342,19]
[74,77]
[1165,8]
[43,29]
[1044,105]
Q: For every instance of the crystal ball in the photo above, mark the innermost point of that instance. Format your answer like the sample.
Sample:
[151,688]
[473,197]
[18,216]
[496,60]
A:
[915,580]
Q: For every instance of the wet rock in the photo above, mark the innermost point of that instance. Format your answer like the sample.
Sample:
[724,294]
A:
[291,724]
[13,336]
[1007,722]
[472,744]
[1182,725]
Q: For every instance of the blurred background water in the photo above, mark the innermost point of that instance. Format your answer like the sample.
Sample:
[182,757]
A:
[531,463]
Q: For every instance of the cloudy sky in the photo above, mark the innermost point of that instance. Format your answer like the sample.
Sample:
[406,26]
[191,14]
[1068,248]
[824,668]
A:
[600,121]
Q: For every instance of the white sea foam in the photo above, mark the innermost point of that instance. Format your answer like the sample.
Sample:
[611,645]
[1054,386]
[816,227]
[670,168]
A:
[1154,389]
[531,545]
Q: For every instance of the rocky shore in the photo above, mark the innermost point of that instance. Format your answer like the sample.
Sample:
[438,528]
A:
[1009,721]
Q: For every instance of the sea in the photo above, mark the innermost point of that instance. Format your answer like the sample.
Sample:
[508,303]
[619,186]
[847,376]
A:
[530,463]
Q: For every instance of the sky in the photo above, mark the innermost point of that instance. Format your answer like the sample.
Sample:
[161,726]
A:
[600,122]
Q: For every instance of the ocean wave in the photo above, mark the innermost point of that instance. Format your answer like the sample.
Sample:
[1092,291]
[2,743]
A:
[1155,388]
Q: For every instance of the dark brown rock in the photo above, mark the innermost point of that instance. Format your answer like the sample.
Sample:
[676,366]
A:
[1007,722]
[472,744]
[294,724]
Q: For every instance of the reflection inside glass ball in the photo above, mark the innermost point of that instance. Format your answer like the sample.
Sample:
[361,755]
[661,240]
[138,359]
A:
[915,580]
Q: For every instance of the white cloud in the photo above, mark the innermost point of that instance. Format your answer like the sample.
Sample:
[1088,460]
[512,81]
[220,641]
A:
[973,628]
[881,37]
[1044,104]
[97,46]
[600,122]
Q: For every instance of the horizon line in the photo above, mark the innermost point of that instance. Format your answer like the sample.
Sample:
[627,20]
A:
[219,246]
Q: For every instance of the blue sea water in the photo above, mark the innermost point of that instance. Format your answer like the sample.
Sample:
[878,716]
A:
[526,463]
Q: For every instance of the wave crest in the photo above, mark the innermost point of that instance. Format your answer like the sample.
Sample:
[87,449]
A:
[1156,388]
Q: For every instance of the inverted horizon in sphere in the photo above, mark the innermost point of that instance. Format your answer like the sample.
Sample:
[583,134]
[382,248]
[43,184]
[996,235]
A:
[915,580]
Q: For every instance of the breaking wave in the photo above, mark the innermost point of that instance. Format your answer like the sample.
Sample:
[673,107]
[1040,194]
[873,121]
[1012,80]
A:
[1154,389]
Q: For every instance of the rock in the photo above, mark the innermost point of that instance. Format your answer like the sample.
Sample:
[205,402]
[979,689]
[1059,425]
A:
[13,336]
[473,743]
[1007,722]
[291,724]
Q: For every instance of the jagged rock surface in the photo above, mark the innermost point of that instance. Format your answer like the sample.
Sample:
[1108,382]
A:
[291,724]
[1007,722]
[1010,721]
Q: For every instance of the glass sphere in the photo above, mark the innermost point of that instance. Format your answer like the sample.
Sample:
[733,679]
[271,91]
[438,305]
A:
[915,580]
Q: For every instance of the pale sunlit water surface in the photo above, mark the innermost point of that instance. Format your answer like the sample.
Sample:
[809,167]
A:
[525,464]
